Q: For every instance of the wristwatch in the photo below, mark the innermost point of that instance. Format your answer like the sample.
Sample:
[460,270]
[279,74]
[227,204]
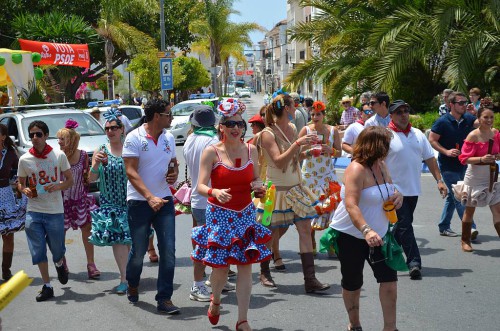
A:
[439,181]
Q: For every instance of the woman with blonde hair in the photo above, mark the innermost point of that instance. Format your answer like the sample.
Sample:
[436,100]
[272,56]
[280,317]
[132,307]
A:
[281,148]
[78,203]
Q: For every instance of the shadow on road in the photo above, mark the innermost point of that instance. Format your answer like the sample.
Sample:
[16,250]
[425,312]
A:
[442,272]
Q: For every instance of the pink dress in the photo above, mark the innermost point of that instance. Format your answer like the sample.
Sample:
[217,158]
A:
[473,191]
[78,203]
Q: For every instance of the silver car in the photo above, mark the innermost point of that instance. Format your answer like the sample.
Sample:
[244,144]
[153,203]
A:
[91,132]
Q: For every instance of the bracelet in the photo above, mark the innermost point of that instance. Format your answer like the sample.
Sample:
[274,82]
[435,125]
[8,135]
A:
[210,192]
[297,142]
[94,171]
[365,229]
[439,181]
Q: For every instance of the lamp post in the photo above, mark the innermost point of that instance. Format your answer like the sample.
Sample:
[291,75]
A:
[130,101]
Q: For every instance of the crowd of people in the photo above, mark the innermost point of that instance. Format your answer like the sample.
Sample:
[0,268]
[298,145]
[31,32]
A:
[293,150]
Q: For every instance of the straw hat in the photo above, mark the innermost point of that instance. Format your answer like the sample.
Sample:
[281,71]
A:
[346,98]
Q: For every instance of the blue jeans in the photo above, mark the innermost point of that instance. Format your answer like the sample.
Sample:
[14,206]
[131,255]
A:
[45,229]
[450,203]
[140,218]
[403,232]
[199,216]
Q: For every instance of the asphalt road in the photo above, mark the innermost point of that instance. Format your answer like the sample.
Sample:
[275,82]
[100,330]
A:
[459,291]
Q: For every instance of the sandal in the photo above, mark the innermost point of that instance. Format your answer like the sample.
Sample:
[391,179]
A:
[92,271]
[239,323]
[354,328]
[152,255]
[214,319]
[281,267]
[266,279]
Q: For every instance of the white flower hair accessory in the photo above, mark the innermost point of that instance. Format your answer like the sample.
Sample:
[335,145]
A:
[231,107]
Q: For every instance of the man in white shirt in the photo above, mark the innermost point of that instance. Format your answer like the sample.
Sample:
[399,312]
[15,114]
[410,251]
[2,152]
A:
[151,165]
[353,131]
[379,103]
[408,148]
[39,175]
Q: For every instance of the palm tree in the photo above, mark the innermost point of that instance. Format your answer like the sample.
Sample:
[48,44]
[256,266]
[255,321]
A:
[115,32]
[219,37]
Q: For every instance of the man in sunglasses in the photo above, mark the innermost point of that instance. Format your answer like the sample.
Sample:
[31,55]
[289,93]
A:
[408,148]
[353,131]
[447,136]
[380,105]
[39,175]
[151,165]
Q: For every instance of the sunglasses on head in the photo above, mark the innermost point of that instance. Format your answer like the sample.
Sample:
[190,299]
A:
[232,124]
[111,128]
[37,134]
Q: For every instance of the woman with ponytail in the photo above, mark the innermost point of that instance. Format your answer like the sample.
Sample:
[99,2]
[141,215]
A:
[281,148]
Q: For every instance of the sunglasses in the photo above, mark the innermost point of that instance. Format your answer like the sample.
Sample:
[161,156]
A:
[370,256]
[232,124]
[368,112]
[166,114]
[111,128]
[37,134]
[346,103]
[373,103]
[461,103]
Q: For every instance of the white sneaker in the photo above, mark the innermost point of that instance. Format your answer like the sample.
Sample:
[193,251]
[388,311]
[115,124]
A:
[200,293]
[227,287]
[473,234]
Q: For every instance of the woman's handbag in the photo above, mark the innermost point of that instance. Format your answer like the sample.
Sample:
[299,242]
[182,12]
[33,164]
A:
[183,194]
[393,252]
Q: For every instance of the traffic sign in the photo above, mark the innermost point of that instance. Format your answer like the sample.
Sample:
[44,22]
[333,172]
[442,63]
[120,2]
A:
[166,74]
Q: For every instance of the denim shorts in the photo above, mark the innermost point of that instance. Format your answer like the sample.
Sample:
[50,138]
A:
[199,216]
[45,229]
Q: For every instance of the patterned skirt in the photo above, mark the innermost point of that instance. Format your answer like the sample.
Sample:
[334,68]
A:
[77,211]
[12,211]
[110,226]
[230,237]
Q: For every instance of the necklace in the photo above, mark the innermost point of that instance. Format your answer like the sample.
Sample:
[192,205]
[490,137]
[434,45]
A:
[4,152]
[378,186]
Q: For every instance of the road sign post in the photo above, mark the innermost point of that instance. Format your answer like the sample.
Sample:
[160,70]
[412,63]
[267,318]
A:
[166,74]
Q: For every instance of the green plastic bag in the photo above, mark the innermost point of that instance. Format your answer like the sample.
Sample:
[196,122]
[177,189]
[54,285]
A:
[393,252]
[329,239]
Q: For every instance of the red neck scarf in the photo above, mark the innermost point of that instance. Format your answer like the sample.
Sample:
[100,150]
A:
[394,128]
[43,154]
[360,121]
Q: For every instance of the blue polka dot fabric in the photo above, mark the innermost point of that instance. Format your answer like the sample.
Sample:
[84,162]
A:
[230,237]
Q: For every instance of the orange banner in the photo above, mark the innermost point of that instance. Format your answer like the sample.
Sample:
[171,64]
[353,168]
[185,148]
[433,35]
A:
[76,55]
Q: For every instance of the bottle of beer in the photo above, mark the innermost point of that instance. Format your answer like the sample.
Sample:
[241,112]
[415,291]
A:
[32,187]
[170,169]
[104,160]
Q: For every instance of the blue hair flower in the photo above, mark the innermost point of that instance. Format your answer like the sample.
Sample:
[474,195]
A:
[112,114]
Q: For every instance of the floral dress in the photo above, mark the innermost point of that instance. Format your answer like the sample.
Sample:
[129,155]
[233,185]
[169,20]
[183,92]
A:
[109,221]
[12,209]
[78,203]
[317,174]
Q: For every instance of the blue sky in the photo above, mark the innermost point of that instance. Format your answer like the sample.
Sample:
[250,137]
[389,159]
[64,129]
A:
[263,12]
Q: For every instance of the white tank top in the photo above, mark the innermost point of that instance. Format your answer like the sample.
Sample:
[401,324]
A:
[370,204]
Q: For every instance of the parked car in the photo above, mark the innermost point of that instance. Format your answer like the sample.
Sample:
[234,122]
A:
[244,93]
[181,111]
[133,113]
[91,132]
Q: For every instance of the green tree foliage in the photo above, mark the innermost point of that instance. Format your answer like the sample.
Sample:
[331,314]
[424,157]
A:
[411,49]
[195,74]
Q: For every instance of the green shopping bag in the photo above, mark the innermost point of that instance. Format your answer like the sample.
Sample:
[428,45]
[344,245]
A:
[393,252]
[329,239]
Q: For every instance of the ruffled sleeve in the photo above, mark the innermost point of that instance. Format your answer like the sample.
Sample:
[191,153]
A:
[469,149]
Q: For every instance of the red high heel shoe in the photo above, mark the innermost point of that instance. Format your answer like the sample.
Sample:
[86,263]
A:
[239,323]
[214,319]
